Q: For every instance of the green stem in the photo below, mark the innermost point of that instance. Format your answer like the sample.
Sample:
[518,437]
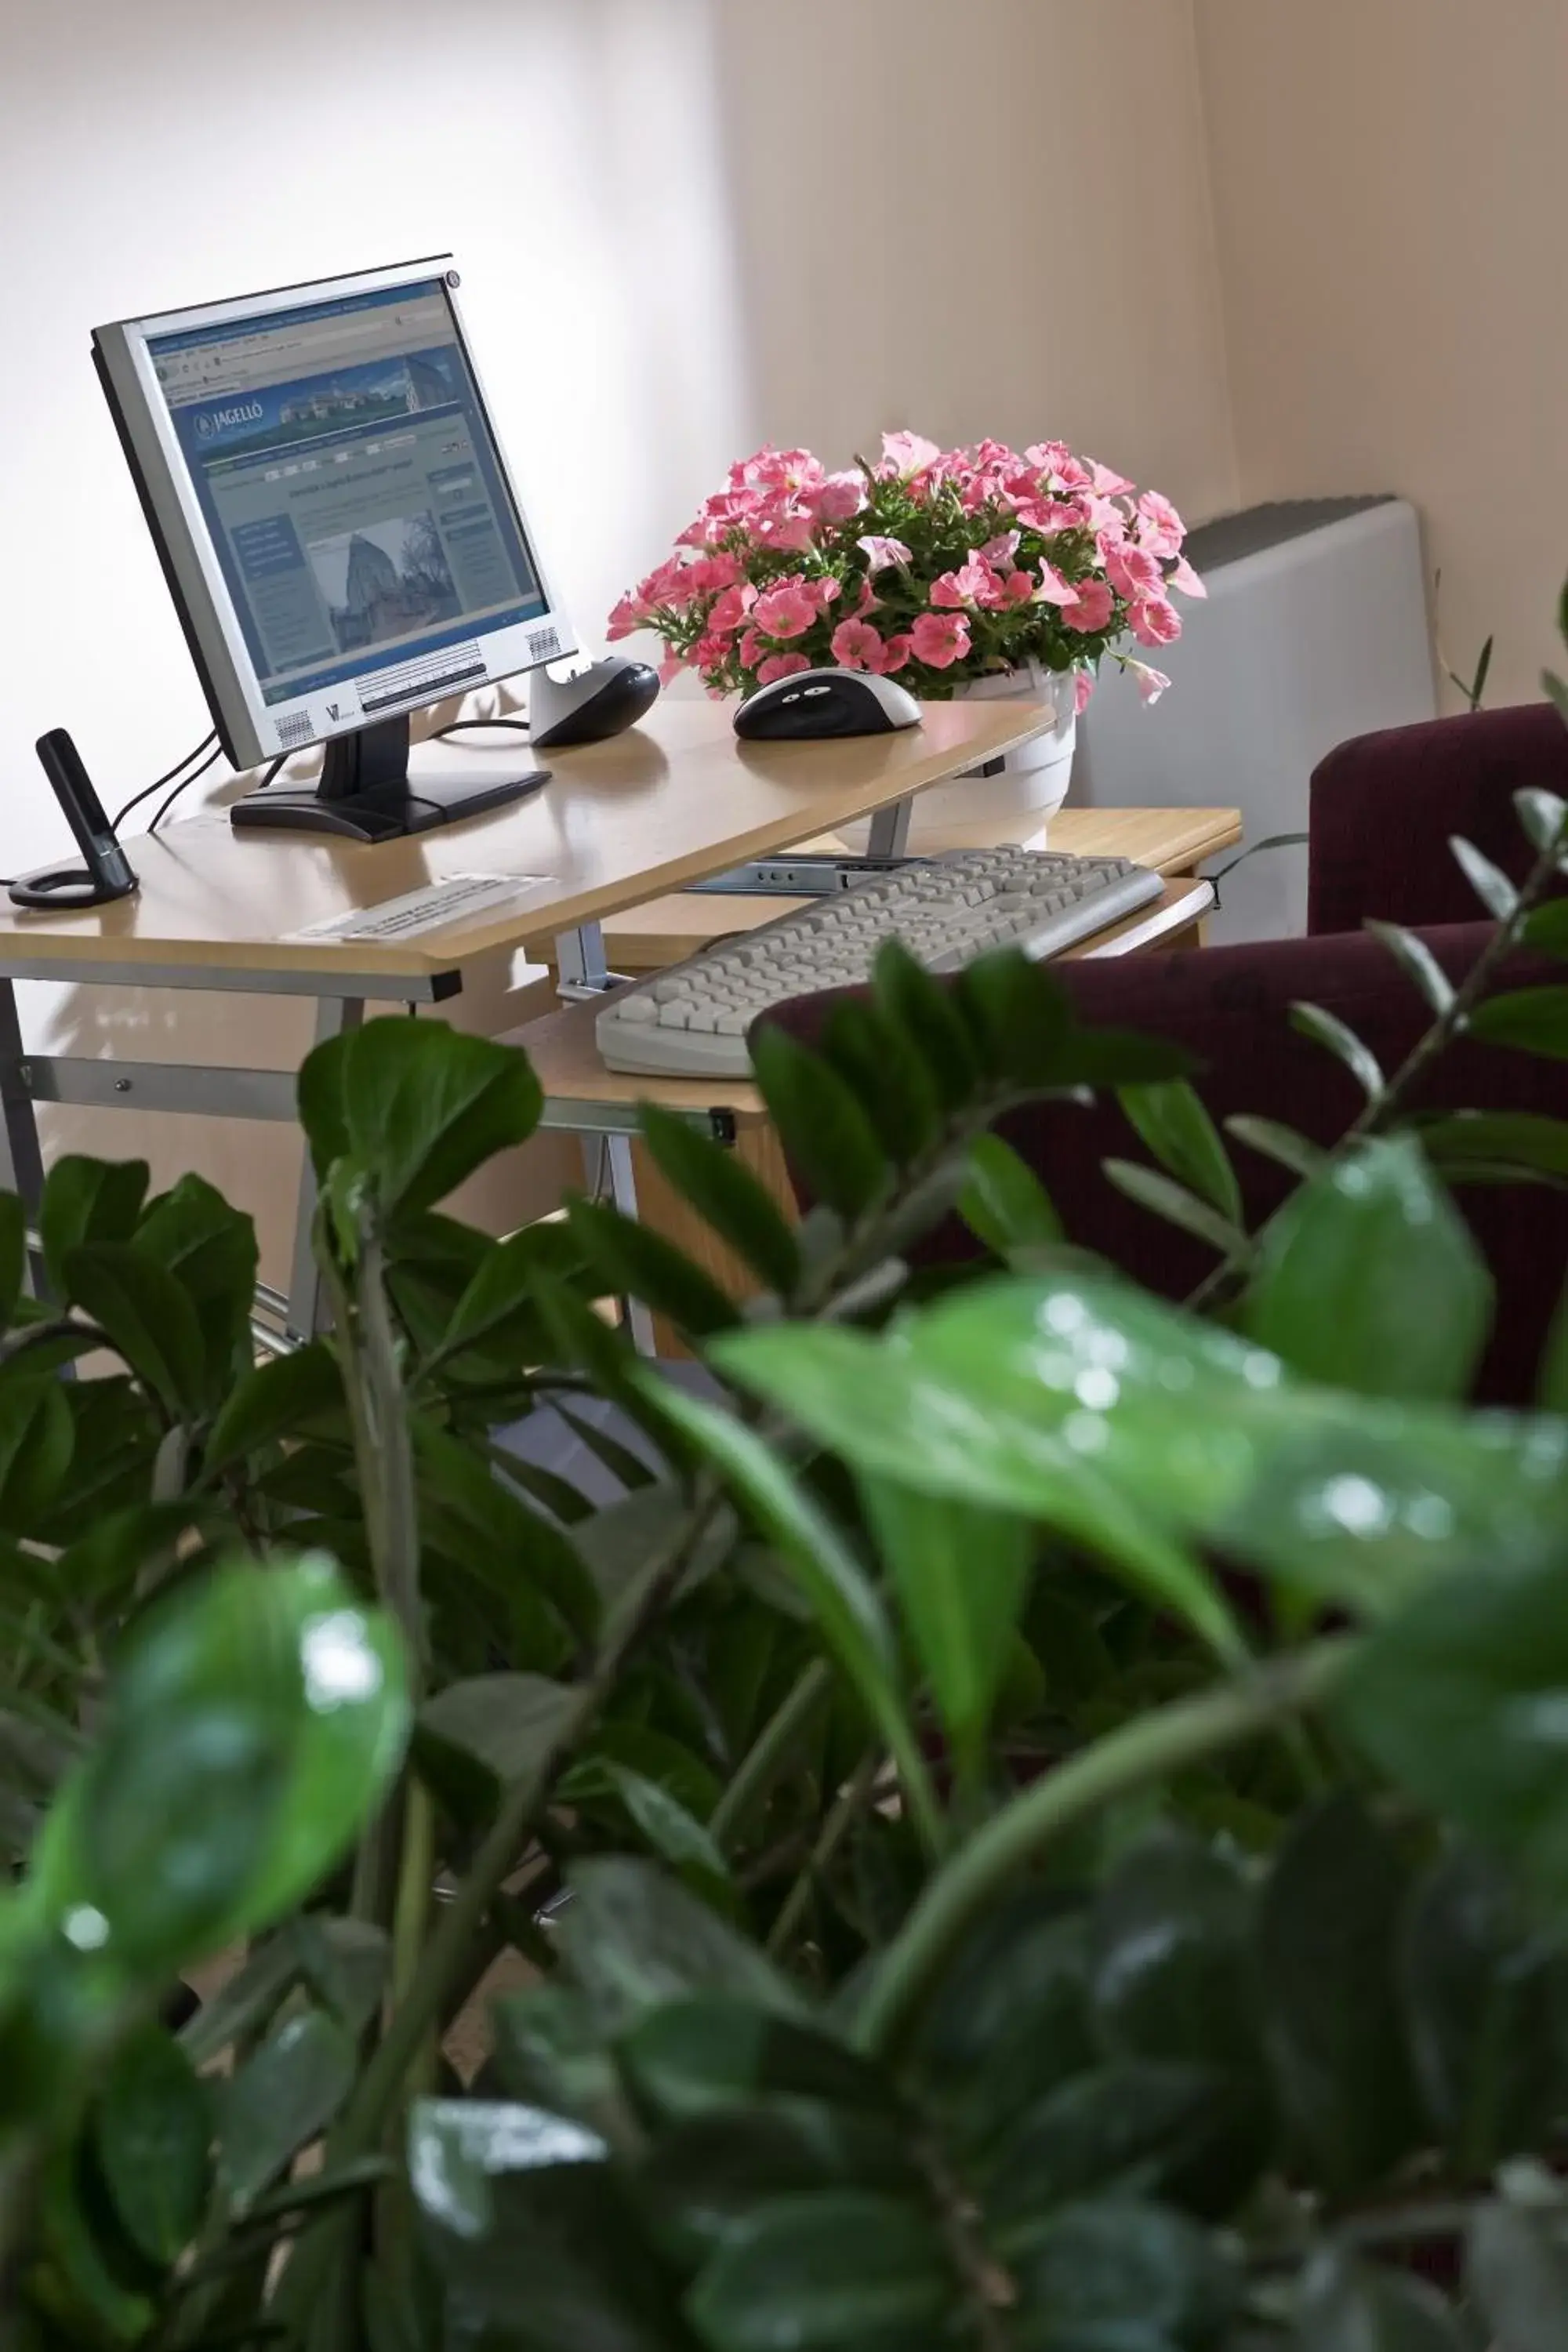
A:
[1151,1749]
[769,1752]
[851,1801]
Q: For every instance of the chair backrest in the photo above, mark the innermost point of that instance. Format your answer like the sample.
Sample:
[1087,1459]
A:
[1384,806]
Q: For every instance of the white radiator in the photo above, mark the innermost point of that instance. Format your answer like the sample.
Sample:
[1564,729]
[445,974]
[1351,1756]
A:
[1315,629]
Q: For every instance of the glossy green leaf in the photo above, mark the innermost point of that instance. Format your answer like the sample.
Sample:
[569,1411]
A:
[508,1722]
[1524,1138]
[211,1251]
[490,1524]
[493,1320]
[1417,960]
[1082,1403]
[886,1072]
[1171,1939]
[88,1201]
[703,2182]
[673,1832]
[634,1262]
[845,1601]
[1172,1122]
[1326,1029]
[1546,928]
[1533,1019]
[634,1939]
[1367,1279]
[927,1015]
[1175,1204]
[12,1254]
[1278,1142]
[255,1721]
[1328,1929]
[148,1316]
[1003,1203]
[1490,882]
[1542,814]
[700,2057]
[1187,2136]
[36,1444]
[821,1125]
[1012,2019]
[278,1399]
[837,2272]
[1517,2272]
[458,2147]
[725,1194]
[1551,1374]
[1482,1994]
[549,2052]
[417,1105]
[1460,1699]
[282,2097]
[151,2131]
[1018,1014]
[1345,2306]
[1120,2276]
[960,1575]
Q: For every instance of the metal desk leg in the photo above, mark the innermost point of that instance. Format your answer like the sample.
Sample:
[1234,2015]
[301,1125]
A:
[889,834]
[583,973]
[21,1162]
[335,1017]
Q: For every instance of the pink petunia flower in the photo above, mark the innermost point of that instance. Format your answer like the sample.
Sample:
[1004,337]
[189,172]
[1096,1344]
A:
[789,527]
[895,652]
[824,592]
[731,609]
[1083,687]
[1157,622]
[1019,588]
[1182,575]
[1002,548]
[904,455]
[1092,607]
[1151,683]
[972,583]
[1160,528]
[781,665]
[858,646]
[1048,516]
[785,611]
[711,653]
[753,650]
[880,553]
[628,617]
[1106,482]
[1053,589]
[1133,572]
[940,639]
[837,498]
[669,669]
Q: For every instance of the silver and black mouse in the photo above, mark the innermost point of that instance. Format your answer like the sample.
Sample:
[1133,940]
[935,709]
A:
[592,702]
[816,703]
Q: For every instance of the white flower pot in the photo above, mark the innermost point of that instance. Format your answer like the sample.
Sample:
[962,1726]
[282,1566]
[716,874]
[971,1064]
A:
[1016,793]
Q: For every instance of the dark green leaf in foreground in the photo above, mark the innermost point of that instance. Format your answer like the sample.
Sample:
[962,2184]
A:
[149,1318]
[151,2132]
[281,2099]
[634,1939]
[1367,1279]
[1120,2276]
[1353,2307]
[837,2272]
[417,1103]
[1172,1122]
[1174,1970]
[820,1123]
[1003,1203]
[724,1192]
[1533,1019]
[88,1201]
[1461,1699]
[1327,1029]
[1327,1947]
[1517,2271]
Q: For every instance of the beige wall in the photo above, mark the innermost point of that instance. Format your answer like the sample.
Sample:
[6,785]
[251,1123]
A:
[686,224]
[1391,184]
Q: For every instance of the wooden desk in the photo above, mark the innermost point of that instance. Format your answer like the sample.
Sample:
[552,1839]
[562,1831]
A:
[670,803]
[1173,842]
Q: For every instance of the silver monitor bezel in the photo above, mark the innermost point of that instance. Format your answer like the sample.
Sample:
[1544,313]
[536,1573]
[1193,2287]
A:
[248,727]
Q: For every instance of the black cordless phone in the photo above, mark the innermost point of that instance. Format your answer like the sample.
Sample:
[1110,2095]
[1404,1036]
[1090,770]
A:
[107,874]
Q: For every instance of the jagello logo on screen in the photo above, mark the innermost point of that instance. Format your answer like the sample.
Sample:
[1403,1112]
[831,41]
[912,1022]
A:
[211,422]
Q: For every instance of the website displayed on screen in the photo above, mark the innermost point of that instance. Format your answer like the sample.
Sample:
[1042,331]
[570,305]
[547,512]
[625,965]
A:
[341,460]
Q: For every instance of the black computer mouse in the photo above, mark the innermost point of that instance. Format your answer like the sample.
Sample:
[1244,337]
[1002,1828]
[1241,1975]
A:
[591,706]
[824,702]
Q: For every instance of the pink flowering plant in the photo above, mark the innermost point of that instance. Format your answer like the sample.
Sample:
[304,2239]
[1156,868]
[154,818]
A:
[935,567]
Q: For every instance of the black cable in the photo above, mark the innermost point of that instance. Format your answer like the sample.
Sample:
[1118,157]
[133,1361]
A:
[463,726]
[157,785]
[214,756]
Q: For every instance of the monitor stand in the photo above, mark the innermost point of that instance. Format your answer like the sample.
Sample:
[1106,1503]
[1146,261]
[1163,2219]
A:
[365,793]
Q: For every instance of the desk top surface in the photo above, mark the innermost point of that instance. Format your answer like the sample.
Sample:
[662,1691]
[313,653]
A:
[671,802]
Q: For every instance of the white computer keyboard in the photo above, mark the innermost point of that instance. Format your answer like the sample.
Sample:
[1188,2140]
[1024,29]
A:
[692,1022]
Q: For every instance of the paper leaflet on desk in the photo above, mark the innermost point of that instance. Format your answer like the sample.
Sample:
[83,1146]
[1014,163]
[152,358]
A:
[432,907]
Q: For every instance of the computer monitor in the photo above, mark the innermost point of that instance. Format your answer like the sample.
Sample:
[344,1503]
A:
[338,529]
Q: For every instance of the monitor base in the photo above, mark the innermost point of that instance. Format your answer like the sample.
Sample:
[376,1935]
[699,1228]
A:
[365,792]
[384,812]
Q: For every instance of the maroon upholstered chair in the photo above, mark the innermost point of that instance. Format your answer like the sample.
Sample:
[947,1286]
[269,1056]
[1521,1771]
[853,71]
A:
[1383,808]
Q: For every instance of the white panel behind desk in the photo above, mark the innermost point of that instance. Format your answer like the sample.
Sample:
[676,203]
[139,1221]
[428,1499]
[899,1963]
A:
[1315,630]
